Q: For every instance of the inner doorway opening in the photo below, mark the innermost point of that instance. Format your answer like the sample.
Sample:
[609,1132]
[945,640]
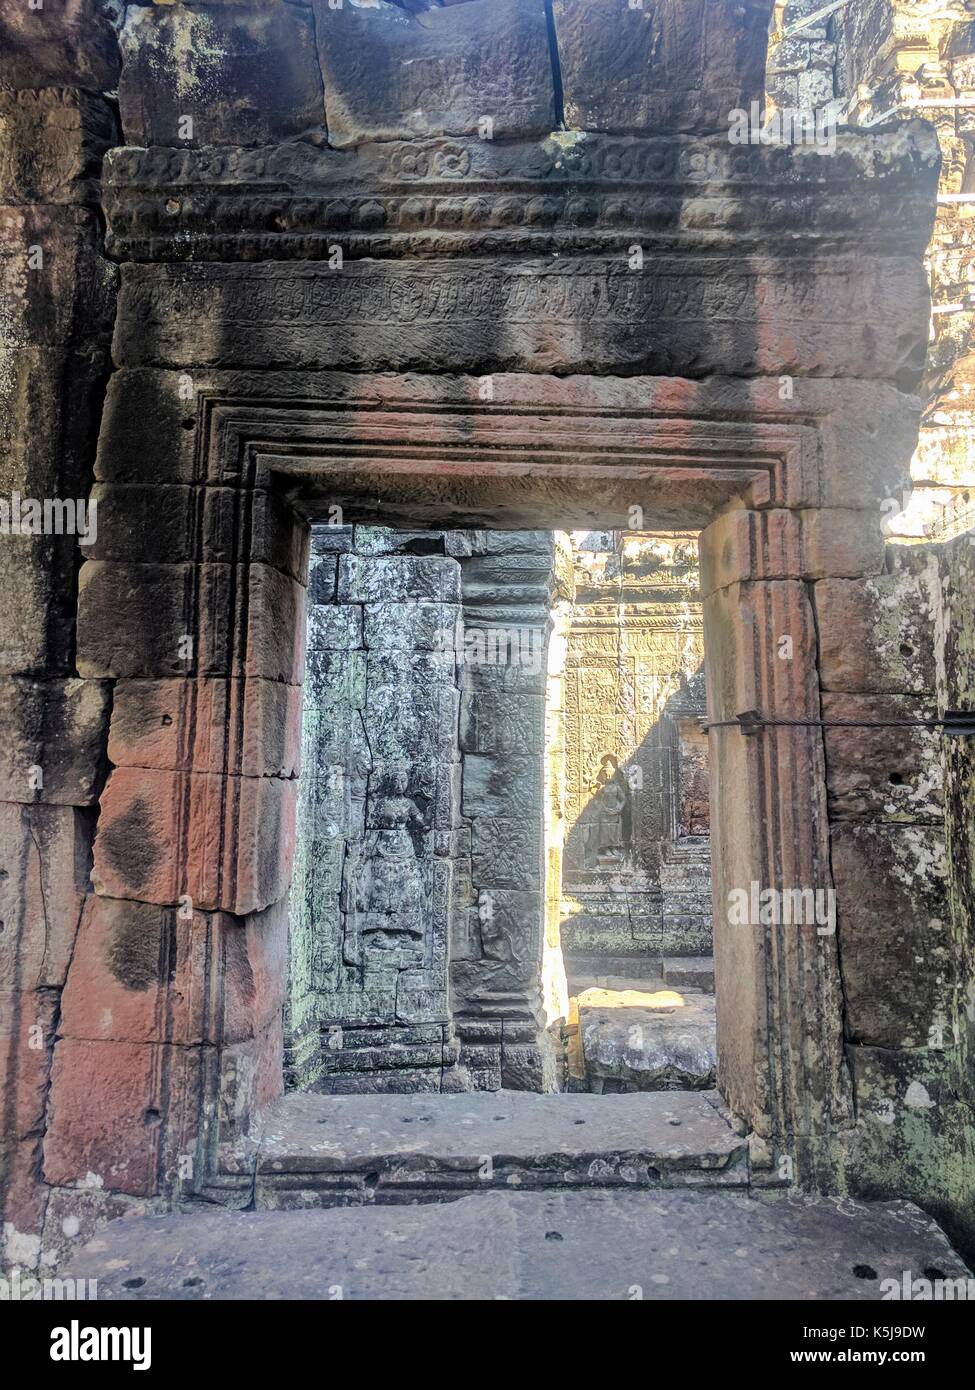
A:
[502,877]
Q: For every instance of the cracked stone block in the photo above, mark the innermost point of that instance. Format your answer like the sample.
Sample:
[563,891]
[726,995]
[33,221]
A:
[239,76]
[45,857]
[390,75]
[28,1024]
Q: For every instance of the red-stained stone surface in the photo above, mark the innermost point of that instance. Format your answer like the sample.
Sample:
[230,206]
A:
[27,1026]
[252,726]
[109,1111]
[225,842]
[143,973]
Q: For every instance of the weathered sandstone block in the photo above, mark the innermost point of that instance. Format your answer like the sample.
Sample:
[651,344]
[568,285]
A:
[147,429]
[145,973]
[68,44]
[846,460]
[876,634]
[915,1134]
[894,929]
[239,76]
[887,773]
[226,843]
[398,578]
[135,620]
[149,620]
[147,524]
[52,738]
[48,420]
[178,725]
[667,65]
[679,316]
[108,1111]
[807,544]
[390,75]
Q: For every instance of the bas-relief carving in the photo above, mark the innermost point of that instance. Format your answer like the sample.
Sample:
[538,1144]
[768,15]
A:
[634,641]
[421,854]
[380,812]
[391,901]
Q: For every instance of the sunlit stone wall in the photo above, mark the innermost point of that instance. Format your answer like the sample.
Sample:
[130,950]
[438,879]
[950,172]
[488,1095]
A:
[635,863]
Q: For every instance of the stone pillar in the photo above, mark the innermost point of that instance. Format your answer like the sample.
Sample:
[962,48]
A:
[496,974]
[381,838]
[770,826]
[892,648]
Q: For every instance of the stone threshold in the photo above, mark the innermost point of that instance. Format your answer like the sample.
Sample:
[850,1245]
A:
[319,1150]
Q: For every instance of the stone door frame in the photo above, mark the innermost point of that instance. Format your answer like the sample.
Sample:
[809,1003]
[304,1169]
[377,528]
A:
[766,484]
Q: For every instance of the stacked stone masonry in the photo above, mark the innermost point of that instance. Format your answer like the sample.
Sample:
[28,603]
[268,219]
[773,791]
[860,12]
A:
[271,284]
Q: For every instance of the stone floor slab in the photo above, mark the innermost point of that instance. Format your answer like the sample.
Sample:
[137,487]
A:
[581,1245]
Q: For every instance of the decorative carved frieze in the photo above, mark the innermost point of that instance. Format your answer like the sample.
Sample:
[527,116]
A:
[569,193]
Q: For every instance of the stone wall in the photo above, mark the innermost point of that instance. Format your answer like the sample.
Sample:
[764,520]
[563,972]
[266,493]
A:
[869,63]
[898,809]
[901,831]
[801,66]
[635,881]
[57,303]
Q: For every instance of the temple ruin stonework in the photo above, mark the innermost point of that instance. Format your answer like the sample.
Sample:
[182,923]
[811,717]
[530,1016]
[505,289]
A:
[527,524]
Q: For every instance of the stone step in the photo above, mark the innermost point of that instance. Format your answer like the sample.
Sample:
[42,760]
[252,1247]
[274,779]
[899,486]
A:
[317,1150]
[577,1245]
[689,972]
[592,969]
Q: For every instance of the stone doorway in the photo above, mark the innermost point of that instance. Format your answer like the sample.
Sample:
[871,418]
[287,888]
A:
[503,810]
[629,895]
[279,452]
